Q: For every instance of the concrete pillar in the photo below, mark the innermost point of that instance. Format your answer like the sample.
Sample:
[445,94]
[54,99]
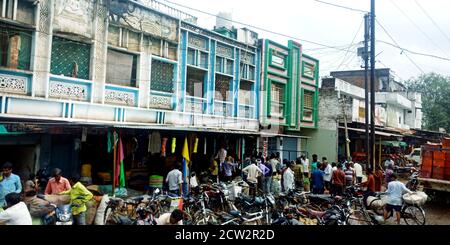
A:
[42,43]
[143,78]
[99,53]
[280,147]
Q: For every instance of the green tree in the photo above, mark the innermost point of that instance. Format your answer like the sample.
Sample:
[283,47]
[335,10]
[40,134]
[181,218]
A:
[435,89]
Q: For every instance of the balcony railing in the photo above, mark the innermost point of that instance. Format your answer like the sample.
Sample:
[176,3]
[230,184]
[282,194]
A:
[161,100]
[164,8]
[246,111]
[195,104]
[15,82]
[61,87]
[223,108]
[121,95]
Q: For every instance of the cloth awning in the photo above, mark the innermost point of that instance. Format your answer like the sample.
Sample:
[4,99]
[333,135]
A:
[269,135]
[394,143]
[380,133]
[4,131]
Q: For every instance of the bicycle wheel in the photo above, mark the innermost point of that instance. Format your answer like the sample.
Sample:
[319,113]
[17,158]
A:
[359,218]
[413,215]
[207,218]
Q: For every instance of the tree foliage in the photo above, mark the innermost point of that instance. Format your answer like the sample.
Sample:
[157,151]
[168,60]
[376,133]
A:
[435,89]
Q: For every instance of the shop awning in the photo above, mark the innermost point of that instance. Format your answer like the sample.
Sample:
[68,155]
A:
[268,135]
[380,133]
[4,131]
[394,143]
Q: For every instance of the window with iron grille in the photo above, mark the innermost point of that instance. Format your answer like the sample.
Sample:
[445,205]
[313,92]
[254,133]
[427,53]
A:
[222,88]
[224,65]
[308,98]
[70,58]
[162,76]
[308,105]
[195,82]
[197,58]
[15,48]
[246,92]
[121,68]
[247,71]
[277,105]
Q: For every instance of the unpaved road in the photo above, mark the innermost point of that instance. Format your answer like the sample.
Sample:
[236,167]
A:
[437,213]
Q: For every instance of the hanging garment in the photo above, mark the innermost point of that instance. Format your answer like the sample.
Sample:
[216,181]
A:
[174,145]
[110,142]
[120,171]
[155,143]
[163,147]
[149,149]
[195,146]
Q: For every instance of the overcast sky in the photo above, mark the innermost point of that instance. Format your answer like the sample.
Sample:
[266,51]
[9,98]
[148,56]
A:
[318,22]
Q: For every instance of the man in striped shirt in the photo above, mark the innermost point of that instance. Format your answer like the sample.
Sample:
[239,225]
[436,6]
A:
[349,174]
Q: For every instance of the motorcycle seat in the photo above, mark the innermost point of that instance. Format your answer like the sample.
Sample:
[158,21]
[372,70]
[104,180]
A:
[318,214]
[235,213]
[321,197]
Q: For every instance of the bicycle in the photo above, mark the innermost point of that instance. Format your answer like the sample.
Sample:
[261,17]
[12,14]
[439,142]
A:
[412,214]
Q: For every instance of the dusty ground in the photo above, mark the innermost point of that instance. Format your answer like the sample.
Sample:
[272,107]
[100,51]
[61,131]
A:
[437,214]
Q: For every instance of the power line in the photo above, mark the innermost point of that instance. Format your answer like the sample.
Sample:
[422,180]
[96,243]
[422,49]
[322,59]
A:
[432,20]
[389,35]
[322,48]
[254,27]
[414,52]
[353,41]
[343,7]
[417,27]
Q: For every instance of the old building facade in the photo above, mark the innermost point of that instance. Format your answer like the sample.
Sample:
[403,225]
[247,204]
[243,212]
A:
[72,68]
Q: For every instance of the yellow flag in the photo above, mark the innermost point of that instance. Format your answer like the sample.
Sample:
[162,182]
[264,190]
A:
[185,153]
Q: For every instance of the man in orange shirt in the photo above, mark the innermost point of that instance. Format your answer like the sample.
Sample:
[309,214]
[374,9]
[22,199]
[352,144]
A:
[57,184]
[370,184]
[338,179]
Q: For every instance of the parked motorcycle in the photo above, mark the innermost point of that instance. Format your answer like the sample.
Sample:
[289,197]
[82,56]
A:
[61,215]
[413,181]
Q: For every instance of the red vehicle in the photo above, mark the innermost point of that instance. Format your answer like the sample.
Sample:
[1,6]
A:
[435,168]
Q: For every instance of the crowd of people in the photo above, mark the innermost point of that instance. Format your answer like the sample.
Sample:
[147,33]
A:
[269,174]
[22,206]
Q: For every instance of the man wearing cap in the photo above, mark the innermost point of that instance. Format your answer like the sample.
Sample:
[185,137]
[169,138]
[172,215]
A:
[57,184]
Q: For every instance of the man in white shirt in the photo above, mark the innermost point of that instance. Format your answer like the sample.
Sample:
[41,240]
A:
[252,172]
[275,163]
[288,179]
[394,202]
[222,155]
[388,162]
[175,180]
[327,177]
[358,171]
[305,164]
[174,218]
[16,213]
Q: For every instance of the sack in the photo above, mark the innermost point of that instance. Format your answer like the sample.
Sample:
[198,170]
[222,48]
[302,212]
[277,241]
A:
[99,216]
[176,203]
[375,202]
[417,198]
[58,199]
[91,211]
